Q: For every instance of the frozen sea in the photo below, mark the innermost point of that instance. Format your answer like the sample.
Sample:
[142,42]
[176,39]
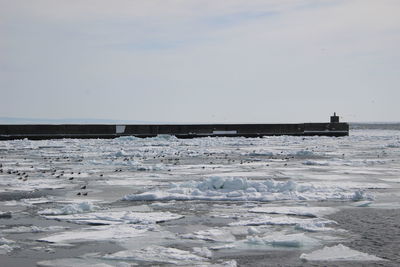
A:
[271,201]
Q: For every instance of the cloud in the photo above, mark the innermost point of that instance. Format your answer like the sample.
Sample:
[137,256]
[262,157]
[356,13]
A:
[220,60]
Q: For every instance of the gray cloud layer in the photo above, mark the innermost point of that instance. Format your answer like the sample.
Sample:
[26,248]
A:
[200,61]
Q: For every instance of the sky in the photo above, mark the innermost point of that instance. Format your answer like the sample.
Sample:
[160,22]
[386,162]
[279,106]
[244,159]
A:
[181,61]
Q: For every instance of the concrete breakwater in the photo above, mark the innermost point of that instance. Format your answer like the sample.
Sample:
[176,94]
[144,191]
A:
[57,131]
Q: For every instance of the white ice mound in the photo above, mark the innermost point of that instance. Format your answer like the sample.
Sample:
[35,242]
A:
[240,189]
[73,208]
[157,254]
[282,240]
[215,234]
[117,217]
[338,253]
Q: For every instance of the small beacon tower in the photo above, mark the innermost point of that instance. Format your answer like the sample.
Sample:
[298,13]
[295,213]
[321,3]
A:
[334,118]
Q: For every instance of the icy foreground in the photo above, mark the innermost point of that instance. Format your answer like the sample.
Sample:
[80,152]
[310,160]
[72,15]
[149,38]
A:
[198,202]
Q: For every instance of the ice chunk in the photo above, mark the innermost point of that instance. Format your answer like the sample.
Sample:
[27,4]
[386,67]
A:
[252,230]
[314,227]
[68,262]
[117,217]
[70,209]
[32,229]
[157,254]
[95,233]
[215,234]
[281,220]
[360,195]
[121,153]
[202,252]
[282,240]
[365,203]
[338,253]
[231,263]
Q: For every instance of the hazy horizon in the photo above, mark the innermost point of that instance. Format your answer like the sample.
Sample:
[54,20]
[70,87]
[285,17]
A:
[11,120]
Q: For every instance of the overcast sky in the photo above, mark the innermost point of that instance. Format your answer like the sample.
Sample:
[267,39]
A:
[200,60]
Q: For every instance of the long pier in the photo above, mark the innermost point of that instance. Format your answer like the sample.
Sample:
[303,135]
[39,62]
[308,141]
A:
[59,131]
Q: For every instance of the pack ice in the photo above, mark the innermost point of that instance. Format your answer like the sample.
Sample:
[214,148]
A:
[241,189]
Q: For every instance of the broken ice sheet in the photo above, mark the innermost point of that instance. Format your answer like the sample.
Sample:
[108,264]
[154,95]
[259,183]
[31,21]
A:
[96,233]
[214,234]
[219,188]
[117,217]
[32,229]
[282,220]
[338,253]
[73,208]
[158,254]
[279,239]
[76,262]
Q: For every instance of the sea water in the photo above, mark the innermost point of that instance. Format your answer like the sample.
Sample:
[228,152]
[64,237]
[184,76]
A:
[208,201]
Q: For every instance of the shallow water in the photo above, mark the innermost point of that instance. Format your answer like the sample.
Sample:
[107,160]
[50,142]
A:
[207,201]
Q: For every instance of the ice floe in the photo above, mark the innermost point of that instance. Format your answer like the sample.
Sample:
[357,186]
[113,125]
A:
[241,189]
[309,224]
[283,240]
[32,229]
[157,254]
[96,233]
[117,217]
[202,252]
[76,262]
[215,234]
[338,253]
[71,209]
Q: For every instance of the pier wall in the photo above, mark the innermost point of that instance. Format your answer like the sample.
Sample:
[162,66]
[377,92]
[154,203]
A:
[54,131]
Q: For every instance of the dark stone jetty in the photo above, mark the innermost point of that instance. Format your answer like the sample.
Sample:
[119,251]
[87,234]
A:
[57,131]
